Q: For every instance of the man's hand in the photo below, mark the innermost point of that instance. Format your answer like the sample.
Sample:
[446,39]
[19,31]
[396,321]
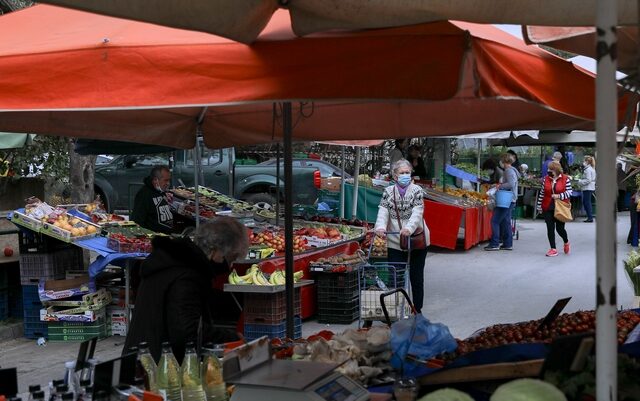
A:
[405,231]
[381,233]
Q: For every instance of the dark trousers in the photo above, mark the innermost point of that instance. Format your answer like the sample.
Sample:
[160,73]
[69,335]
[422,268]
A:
[416,271]
[622,200]
[501,226]
[587,196]
[554,224]
[632,238]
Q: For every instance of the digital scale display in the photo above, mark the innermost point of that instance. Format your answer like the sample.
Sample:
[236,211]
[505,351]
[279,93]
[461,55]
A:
[334,391]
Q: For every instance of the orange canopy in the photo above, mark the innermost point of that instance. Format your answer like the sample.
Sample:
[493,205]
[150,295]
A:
[85,75]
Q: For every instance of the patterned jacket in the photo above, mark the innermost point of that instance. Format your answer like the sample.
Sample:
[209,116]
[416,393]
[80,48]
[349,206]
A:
[410,207]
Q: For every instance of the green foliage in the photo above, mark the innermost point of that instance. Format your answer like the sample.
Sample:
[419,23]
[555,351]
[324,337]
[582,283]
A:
[633,260]
[47,157]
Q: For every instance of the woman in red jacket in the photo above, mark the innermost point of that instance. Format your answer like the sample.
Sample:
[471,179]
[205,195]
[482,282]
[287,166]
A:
[556,185]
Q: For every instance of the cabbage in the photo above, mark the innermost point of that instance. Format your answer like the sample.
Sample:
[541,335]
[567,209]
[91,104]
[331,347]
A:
[528,390]
[446,394]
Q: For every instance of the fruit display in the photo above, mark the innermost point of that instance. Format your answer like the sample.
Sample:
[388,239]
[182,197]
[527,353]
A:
[188,208]
[456,197]
[75,226]
[530,182]
[255,276]
[214,200]
[337,220]
[379,248]
[340,263]
[129,239]
[275,239]
[531,332]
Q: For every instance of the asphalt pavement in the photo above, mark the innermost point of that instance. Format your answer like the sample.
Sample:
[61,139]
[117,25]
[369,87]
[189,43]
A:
[465,290]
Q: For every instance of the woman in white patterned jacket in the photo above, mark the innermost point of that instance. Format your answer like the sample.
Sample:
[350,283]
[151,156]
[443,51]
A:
[401,210]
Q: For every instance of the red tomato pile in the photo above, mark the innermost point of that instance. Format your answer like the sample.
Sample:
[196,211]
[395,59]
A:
[122,243]
[527,332]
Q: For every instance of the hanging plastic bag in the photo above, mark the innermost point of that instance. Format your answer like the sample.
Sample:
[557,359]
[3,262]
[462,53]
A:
[419,339]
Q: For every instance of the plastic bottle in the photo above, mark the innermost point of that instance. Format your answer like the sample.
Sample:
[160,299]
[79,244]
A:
[53,393]
[168,375]
[82,391]
[191,375]
[32,389]
[147,368]
[214,387]
[38,395]
[89,369]
[70,377]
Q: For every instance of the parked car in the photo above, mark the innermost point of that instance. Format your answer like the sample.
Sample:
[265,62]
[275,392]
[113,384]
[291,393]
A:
[118,181]
[326,169]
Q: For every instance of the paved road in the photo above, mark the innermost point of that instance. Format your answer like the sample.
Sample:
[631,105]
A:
[464,290]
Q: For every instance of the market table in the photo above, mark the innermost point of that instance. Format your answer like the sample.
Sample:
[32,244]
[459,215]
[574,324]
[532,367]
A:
[444,222]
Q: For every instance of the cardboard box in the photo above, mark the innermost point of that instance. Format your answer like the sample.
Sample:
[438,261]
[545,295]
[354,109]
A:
[52,290]
[26,221]
[51,315]
[331,183]
[64,235]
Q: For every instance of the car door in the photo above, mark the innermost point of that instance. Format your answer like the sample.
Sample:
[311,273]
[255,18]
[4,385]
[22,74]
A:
[215,171]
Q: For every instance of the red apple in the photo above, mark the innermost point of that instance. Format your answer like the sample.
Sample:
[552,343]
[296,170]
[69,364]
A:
[8,252]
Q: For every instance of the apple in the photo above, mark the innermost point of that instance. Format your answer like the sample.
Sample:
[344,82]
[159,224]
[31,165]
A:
[8,251]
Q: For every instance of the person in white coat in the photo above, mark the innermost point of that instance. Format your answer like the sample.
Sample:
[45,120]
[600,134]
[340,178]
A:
[588,184]
[401,210]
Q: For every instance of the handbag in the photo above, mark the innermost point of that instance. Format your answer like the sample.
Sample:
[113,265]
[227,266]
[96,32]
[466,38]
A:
[417,240]
[562,209]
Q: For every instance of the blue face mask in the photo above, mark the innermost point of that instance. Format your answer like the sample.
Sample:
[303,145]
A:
[404,180]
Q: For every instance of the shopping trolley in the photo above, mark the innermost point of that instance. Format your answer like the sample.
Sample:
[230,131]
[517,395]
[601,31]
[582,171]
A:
[374,279]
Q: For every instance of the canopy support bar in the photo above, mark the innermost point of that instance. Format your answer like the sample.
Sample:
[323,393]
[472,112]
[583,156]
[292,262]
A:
[606,258]
[288,215]
[356,173]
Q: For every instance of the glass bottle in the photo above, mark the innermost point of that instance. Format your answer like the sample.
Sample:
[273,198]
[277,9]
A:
[32,389]
[38,395]
[146,368]
[191,375]
[168,375]
[53,393]
[212,380]
[70,377]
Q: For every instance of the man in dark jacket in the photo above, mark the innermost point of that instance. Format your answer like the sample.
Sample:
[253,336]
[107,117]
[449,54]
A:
[151,208]
[173,296]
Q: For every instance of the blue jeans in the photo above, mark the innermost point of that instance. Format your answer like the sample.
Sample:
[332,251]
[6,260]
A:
[586,202]
[501,227]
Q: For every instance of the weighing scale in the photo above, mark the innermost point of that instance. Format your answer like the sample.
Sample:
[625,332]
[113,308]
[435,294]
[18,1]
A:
[257,376]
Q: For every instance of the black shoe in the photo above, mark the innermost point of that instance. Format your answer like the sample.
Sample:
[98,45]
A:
[588,221]
[491,248]
[506,248]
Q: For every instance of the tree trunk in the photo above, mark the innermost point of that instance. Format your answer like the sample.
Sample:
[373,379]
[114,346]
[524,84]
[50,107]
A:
[81,175]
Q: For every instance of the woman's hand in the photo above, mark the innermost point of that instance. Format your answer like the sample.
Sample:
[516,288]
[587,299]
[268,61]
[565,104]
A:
[405,231]
[381,233]
[555,196]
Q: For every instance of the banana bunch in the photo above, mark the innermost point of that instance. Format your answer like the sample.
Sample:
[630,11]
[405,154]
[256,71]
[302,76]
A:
[255,276]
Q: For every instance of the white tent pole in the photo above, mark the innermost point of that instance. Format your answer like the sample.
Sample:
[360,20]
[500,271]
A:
[606,258]
[356,173]
[342,206]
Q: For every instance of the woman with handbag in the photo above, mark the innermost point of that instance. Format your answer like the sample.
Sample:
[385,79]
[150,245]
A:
[401,210]
[555,203]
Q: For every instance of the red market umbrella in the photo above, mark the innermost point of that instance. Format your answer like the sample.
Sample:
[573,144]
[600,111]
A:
[244,20]
[582,41]
[85,75]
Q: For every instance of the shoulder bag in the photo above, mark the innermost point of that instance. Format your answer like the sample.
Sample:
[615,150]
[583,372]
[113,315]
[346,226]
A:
[562,209]
[417,240]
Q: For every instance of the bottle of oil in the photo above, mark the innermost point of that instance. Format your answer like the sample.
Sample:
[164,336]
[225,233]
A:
[191,375]
[148,368]
[214,387]
[168,375]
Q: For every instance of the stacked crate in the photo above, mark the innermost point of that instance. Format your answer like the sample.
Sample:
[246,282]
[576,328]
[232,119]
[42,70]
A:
[64,331]
[338,298]
[42,258]
[4,294]
[265,314]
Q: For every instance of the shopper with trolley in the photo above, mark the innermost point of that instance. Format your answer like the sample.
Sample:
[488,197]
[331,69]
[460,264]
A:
[401,211]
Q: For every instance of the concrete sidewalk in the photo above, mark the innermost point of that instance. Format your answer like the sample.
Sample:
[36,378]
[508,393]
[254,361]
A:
[466,290]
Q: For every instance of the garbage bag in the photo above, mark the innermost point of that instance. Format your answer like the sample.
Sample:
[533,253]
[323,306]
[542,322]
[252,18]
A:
[420,339]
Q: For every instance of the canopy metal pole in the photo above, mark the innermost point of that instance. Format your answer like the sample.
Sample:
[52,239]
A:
[277,205]
[196,175]
[356,173]
[479,144]
[606,258]
[288,215]
[342,187]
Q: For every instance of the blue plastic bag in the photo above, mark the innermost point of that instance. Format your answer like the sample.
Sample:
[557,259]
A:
[422,340]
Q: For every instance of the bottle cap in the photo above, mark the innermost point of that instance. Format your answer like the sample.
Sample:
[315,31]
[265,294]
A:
[143,344]
[67,396]
[57,382]
[166,344]
[34,387]
[62,388]
[38,394]
[70,364]
[85,382]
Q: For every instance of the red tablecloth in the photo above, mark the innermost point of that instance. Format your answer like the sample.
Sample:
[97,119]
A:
[444,222]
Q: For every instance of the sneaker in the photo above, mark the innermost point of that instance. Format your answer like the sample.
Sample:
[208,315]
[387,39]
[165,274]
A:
[552,252]
[506,248]
[491,248]
[588,221]
[567,248]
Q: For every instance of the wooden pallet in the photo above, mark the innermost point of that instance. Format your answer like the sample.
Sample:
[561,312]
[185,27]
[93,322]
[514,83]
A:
[495,371]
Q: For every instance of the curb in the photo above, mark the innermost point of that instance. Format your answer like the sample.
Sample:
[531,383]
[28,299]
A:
[11,331]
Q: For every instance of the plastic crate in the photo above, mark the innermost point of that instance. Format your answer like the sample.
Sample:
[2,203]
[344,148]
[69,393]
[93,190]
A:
[84,329]
[49,266]
[269,308]
[253,331]
[33,327]
[346,280]
[15,302]
[339,315]
[336,305]
[30,295]
[75,337]
[32,242]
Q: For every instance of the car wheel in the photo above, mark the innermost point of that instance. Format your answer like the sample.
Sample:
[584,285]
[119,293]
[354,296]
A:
[103,198]
[262,200]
